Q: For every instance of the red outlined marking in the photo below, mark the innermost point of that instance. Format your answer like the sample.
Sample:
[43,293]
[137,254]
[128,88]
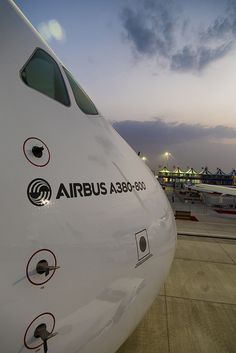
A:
[49,276]
[26,332]
[27,157]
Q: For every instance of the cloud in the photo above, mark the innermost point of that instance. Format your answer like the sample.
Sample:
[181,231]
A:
[156,132]
[151,28]
[52,30]
[159,30]
[197,59]
[221,28]
[189,143]
[142,37]
[225,141]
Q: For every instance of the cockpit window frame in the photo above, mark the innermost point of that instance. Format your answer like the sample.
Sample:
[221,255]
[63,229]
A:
[61,77]
[68,76]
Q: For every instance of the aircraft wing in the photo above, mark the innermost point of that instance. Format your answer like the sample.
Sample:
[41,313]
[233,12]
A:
[223,190]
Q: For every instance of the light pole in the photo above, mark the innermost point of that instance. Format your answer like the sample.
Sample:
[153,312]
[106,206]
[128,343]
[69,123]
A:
[167,155]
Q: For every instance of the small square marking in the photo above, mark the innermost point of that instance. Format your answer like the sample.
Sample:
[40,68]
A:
[142,244]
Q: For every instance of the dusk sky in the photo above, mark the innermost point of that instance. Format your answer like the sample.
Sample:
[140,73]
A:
[164,72]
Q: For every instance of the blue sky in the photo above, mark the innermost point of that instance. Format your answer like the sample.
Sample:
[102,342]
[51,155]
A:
[167,63]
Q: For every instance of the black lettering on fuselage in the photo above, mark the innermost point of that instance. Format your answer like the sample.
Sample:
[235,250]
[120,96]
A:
[87,189]
[78,188]
[71,190]
[99,188]
[103,188]
[119,188]
[62,192]
[96,189]
[112,188]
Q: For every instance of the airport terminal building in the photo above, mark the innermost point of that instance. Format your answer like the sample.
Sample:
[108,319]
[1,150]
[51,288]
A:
[178,177]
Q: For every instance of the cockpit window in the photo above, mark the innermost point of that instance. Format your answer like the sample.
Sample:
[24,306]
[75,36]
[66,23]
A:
[81,98]
[42,73]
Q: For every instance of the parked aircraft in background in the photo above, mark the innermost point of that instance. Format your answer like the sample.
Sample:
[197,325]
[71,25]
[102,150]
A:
[220,189]
[87,233]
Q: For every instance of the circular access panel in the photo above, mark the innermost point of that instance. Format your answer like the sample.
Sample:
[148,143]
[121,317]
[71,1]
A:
[36,152]
[41,255]
[30,341]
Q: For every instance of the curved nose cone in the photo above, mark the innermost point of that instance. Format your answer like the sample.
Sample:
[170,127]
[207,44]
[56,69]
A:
[88,235]
[142,252]
[142,244]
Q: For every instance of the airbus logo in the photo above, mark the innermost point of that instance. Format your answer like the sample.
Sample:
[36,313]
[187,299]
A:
[39,192]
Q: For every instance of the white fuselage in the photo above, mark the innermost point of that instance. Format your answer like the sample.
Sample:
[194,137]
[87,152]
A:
[103,201]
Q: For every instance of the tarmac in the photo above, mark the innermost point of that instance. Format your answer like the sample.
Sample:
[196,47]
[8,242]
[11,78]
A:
[195,311]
